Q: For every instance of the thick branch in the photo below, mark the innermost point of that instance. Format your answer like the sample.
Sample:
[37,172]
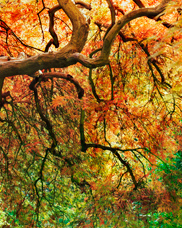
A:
[54,39]
[52,12]
[70,55]
[149,12]
[80,26]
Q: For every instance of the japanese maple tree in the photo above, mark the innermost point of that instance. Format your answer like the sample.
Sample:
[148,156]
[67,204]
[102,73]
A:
[90,101]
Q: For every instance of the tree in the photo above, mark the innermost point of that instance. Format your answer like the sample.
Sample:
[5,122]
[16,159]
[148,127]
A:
[90,100]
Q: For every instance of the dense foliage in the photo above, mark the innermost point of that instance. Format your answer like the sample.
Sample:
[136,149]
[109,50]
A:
[90,113]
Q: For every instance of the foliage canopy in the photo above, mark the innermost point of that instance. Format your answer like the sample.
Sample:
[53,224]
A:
[90,112]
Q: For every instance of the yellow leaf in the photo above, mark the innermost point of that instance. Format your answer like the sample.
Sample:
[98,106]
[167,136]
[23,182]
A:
[177,89]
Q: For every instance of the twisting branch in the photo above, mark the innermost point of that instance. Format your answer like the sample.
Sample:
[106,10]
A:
[67,77]
[43,117]
[149,12]
[52,12]
[103,58]
[70,54]
[54,39]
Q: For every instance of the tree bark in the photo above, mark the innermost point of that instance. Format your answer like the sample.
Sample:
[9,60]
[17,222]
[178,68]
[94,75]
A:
[70,54]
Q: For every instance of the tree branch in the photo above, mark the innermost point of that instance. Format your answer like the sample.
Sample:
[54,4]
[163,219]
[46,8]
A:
[69,54]
[139,3]
[69,78]
[148,12]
